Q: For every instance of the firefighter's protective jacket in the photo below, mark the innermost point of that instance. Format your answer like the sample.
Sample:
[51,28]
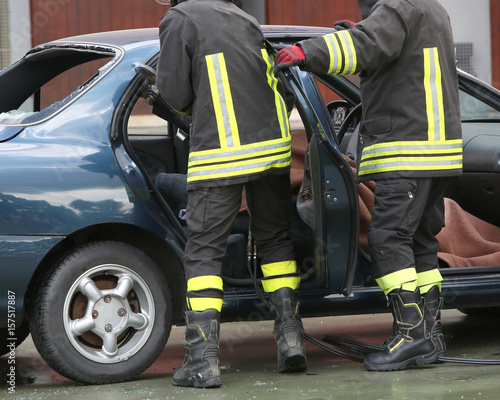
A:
[404,52]
[214,65]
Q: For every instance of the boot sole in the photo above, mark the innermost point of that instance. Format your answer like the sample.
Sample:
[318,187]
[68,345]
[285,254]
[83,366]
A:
[418,360]
[293,363]
[212,382]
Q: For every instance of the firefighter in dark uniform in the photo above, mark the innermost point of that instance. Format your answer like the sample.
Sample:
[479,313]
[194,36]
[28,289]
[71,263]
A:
[214,66]
[410,143]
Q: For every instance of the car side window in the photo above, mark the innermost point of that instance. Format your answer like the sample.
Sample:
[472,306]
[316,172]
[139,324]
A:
[47,79]
[472,108]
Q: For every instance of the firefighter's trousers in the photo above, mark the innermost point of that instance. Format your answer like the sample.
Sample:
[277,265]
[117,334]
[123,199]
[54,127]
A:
[210,215]
[407,216]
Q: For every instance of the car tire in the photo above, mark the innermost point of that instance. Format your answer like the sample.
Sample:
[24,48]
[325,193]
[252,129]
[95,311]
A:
[103,314]
[21,332]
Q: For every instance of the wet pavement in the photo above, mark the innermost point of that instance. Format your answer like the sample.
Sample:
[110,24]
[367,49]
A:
[248,359]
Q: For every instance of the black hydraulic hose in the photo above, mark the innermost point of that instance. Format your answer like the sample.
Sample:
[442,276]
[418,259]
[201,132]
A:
[351,345]
[468,361]
[343,345]
[306,336]
[253,263]
[336,340]
[358,347]
[332,350]
[355,346]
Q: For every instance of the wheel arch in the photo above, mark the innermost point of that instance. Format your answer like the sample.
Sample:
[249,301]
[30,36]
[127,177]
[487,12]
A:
[153,246]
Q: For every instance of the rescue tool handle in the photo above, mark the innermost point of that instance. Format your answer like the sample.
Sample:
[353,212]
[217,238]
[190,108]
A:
[280,67]
[160,107]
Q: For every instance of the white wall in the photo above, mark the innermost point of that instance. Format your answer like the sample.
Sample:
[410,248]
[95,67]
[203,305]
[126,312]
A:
[20,28]
[470,20]
[20,35]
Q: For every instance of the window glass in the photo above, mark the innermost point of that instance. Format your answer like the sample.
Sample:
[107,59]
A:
[143,122]
[472,108]
[48,79]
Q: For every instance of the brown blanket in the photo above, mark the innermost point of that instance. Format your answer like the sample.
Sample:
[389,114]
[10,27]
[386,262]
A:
[464,241]
[467,241]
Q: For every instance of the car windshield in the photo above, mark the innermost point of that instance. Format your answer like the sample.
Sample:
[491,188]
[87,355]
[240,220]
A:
[476,103]
[48,78]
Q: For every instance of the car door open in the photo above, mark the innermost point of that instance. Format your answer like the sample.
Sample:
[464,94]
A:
[336,223]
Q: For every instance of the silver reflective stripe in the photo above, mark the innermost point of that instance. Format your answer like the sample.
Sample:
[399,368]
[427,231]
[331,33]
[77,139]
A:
[393,148]
[335,54]
[227,126]
[280,104]
[414,165]
[222,100]
[433,94]
[237,169]
[237,153]
[349,52]
[341,51]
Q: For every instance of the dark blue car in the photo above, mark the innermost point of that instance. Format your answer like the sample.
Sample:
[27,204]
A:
[91,248]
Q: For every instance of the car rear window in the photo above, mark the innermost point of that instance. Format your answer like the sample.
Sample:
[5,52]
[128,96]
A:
[48,78]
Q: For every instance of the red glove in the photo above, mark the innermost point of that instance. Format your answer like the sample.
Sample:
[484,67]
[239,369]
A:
[343,25]
[290,56]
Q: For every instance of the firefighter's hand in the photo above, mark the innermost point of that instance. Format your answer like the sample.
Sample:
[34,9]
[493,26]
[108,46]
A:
[343,25]
[288,57]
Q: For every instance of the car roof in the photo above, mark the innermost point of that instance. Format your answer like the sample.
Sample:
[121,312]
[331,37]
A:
[125,38]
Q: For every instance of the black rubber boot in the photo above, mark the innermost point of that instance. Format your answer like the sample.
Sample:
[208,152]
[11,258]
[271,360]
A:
[201,363]
[411,344]
[432,316]
[288,330]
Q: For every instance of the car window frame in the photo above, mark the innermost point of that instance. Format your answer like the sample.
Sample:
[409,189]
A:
[117,54]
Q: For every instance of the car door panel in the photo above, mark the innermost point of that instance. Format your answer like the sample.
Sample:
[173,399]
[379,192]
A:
[336,229]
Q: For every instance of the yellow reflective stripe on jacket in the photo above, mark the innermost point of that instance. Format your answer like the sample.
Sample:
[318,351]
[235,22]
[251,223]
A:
[243,152]
[239,168]
[204,282]
[413,147]
[342,53]
[411,156]
[247,159]
[239,160]
[223,101]
[280,103]
[411,164]
[434,95]
[230,158]
[433,154]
